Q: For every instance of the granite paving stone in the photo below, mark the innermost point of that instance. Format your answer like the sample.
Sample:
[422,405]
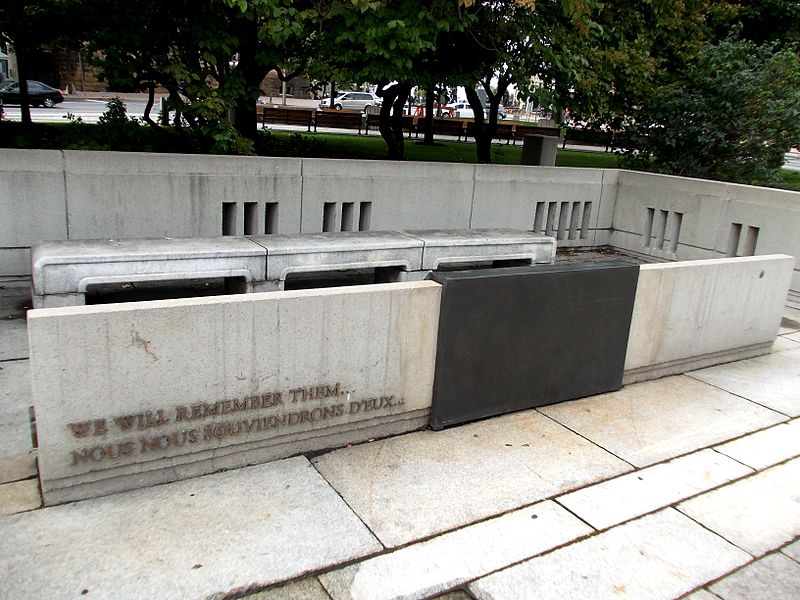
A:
[660,556]
[17,457]
[775,576]
[13,339]
[793,551]
[235,530]
[611,502]
[786,342]
[759,513]
[772,380]
[701,595]
[305,589]
[412,486]
[19,496]
[765,448]
[656,420]
[447,561]
[790,321]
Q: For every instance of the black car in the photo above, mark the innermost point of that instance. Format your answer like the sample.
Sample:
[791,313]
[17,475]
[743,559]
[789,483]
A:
[40,94]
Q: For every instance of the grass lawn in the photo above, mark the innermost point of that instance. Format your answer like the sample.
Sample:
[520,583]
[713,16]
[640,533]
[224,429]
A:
[372,147]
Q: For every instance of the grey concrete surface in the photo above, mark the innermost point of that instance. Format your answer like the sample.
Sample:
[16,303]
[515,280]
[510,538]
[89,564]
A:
[452,559]
[765,448]
[628,496]
[235,530]
[656,420]
[774,577]
[662,555]
[758,514]
[772,381]
[410,487]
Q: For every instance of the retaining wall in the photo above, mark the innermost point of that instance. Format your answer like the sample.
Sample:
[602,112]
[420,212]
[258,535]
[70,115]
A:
[54,195]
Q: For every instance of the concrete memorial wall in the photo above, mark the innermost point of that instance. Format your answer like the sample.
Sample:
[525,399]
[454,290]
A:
[55,195]
[134,394]
[694,314]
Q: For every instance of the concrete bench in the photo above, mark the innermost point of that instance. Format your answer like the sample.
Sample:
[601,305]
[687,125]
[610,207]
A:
[64,271]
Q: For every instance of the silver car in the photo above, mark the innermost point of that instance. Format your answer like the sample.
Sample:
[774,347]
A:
[353,100]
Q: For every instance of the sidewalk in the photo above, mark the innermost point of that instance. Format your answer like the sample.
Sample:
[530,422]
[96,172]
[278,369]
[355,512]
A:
[684,485]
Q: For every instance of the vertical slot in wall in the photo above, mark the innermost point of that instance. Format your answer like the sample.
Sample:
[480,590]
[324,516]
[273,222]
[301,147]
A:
[750,241]
[562,221]
[538,218]
[347,216]
[229,218]
[329,216]
[551,218]
[677,221]
[251,218]
[661,228]
[586,220]
[364,216]
[647,233]
[574,220]
[733,238]
[271,217]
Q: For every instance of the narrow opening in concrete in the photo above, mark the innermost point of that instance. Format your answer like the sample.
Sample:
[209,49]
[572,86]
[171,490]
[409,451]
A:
[107,293]
[271,217]
[574,220]
[250,218]
[677,221]
[587,215]
[329,216]
[347,216]
[562,221]
[552,207]
[733,238]
[364,216]
[538,218]
[229,218]
[750,241]
[647,231]
[324,279]
[661,228]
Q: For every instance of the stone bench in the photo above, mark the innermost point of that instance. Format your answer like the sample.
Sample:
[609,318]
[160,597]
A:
[64,271]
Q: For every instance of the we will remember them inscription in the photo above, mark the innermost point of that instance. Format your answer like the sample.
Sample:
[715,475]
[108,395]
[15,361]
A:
[154,431]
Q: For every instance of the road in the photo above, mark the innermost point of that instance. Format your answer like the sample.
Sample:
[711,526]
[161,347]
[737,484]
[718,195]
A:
[87,110]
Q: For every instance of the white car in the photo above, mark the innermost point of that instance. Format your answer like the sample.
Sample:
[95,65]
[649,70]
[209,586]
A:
[462,110]
[354,100]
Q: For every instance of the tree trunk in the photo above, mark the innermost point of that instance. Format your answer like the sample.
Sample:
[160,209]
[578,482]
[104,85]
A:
[391,118]
[480,131]
[430,95]
[22,77]
[151,96]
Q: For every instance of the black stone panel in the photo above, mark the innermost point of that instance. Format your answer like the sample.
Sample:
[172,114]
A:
[521,337]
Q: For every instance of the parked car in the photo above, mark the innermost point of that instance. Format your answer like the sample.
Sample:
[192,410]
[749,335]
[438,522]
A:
[40,94]
[354,100]
[461,110]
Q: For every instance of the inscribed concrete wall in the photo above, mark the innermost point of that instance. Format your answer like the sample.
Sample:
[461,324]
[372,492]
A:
[32,205]
[690,315]
[677,218]
[130,195]
[128,395]
[397,195]
[573,205]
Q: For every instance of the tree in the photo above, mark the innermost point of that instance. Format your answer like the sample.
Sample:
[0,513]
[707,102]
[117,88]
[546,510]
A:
[730,115]
[29,25]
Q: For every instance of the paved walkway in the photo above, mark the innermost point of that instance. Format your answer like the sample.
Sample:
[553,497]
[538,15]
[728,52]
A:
[684,486]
